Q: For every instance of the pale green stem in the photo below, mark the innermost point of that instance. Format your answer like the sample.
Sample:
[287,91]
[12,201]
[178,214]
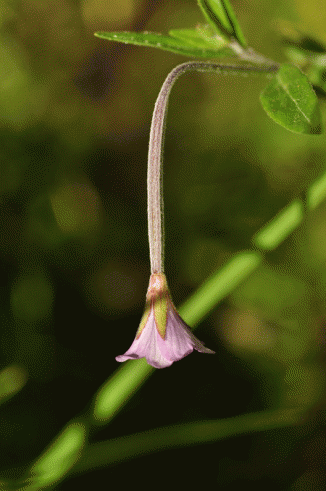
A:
[65,451]
[156,141]
[124,448]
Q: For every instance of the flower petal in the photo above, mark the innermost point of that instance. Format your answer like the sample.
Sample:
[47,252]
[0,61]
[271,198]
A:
[147,346]
[198,345]
[177,343]
[179,340]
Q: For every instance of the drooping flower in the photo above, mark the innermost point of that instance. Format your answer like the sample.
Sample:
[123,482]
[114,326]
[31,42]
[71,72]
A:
[162,337]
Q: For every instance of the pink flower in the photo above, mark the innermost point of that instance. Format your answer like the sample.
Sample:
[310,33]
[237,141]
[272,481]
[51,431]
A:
[162,337]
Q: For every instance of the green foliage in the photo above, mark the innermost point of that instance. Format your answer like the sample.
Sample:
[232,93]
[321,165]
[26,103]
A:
[114,394]
[273,234]
[201,37]
[221,16]
[185,42]
[59,457]
[313,65]
[291,102]
[131,446]
[201,42]
[306,52]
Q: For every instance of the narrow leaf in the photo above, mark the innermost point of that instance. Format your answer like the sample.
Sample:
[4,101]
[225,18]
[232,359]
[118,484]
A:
[195,37]
[181,46]
[221,16]
[202,37]
[117,450]
[216,16]
[291,101]
[237,31]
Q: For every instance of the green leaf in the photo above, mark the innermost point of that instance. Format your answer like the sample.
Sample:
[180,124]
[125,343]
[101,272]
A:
[291,102]
[312,64]
[181,46]
[297,56]
[199,38]
[216,16]
[221,17]
[237,31]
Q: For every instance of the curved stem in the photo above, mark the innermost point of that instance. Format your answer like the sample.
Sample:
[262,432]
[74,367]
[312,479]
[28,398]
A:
[156,139]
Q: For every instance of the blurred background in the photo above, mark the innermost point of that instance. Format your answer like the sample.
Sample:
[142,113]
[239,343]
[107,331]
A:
[75,116]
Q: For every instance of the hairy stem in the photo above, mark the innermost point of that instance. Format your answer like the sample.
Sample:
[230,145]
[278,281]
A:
[156,140]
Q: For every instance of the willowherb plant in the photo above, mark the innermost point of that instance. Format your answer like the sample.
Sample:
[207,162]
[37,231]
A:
[163,337]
